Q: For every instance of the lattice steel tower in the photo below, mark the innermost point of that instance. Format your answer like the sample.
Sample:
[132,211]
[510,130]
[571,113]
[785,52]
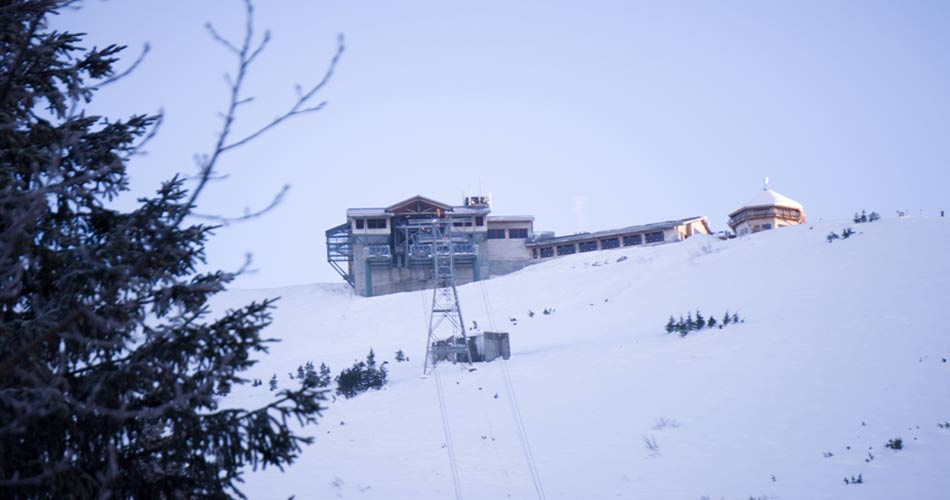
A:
[446,340]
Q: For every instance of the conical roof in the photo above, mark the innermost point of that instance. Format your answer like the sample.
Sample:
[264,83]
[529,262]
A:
[769,198]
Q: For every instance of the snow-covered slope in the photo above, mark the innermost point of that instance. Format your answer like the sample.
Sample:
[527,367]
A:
[842,349]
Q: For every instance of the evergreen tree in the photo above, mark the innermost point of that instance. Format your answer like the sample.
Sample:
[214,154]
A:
[712,322]
[735,317]
[324,376]
[111,361]
[671,325]
[726,319]
[700,320]
[400,356]
[349,382]
[690,326]
[272,385]
[874,216]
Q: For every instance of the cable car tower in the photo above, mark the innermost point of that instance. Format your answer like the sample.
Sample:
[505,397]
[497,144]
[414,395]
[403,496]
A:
[446,339]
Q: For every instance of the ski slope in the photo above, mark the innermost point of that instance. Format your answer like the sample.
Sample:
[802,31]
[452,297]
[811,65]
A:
[841,350]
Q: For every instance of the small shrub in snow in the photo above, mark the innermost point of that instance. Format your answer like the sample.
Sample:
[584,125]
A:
[361,377]
[400,356]
[854,480]
[649,442]
[663,423]
[866,217]
[945,425]
[273,383]
[846,233]
[832,236]
[700,321]
[895,444]
[684,326]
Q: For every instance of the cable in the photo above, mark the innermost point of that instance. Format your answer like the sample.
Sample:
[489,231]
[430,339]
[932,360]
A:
[515,408]
[449,445]
[443,411]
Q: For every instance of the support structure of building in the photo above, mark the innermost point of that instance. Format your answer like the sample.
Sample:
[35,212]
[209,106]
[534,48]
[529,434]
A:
[446,339]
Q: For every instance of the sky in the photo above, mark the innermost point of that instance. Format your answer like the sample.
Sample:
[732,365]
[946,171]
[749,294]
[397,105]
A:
[586,115]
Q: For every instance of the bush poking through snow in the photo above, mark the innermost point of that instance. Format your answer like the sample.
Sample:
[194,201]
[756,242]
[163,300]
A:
[865,217]
[845,234]
[895,444]
[649,442]
[684,326]
[854,480]
[400,356]
[361,377]
[663,423]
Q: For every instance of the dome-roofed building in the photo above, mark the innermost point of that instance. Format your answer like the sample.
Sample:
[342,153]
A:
[767,210]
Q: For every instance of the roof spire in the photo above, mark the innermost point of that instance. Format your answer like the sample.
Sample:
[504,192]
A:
[765,184]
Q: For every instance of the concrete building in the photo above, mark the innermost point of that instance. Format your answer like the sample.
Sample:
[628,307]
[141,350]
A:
[387,249]
[648,234]
[392,249]
[766,210]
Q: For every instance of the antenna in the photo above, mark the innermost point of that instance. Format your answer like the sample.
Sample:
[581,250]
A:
[765,184]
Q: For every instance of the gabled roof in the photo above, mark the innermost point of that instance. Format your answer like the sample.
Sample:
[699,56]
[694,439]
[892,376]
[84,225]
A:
[418,205]
[769,198]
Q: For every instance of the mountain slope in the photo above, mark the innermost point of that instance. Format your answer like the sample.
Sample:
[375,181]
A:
[842,350]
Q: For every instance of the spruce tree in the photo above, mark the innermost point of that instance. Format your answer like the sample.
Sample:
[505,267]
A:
[712,322]
[690,326]
[111,361]
[726,319]
[324,376]
[700,320]
[671,325]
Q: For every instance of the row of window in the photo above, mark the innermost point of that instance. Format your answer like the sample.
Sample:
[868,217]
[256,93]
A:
[479,221]
[381,223]
[371,223]
[590,246]
[513,233]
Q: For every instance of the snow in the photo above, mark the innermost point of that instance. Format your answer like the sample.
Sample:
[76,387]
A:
[768,198]
[842,346]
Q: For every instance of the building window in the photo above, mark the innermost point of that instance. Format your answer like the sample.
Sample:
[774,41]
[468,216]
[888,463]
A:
[629,241]
[566,249]
[376,223]
[462,223]
[359,224]
[655,237]
[547,252]
[517,233]
[610,243]
[479,221]
[587,246]
[534,253]
[766,226]
[496,234]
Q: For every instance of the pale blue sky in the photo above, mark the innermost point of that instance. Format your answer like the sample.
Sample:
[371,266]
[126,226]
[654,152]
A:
[587,115]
